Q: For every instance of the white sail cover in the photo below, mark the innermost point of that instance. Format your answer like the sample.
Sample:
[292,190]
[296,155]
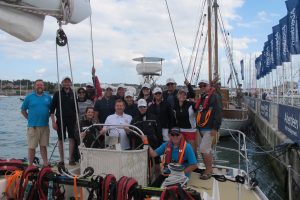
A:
[25,26]
[28,26]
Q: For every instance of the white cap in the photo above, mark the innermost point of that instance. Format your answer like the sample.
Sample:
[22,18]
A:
[121,86]
[156,90]
[146,85]
[66,77]
[108,87]
[170,80]
[90,84]
[128,94]
[142,102]
[203,81]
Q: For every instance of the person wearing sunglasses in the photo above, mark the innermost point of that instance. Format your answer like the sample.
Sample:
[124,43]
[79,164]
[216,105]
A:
[83,102]
[146,93]
[163,112]
[208,120]
[177,150]
[149,124]
[170,95]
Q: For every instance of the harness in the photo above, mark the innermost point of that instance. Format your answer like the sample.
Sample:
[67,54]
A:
[167,158]
[200,107]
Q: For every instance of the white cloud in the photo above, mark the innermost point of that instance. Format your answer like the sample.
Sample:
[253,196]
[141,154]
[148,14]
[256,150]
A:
[122,30]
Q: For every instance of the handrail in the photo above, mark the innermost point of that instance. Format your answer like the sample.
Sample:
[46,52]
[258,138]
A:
[245,155]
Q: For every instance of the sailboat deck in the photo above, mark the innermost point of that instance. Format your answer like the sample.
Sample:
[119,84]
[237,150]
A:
[227,190]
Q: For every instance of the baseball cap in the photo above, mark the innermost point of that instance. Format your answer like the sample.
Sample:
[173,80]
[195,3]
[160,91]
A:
[203,81]
[89,85]
[174,130]
[121,86]
[182,91]
[128,94]
[156,90]
[146,85]
[170,80]
[108,87]
[65,78]
[142,103]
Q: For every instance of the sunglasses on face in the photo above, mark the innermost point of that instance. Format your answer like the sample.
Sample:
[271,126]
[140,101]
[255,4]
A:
[158,93]
[81,92]
[170,84]
[142,107]
[175,134]
[202,85]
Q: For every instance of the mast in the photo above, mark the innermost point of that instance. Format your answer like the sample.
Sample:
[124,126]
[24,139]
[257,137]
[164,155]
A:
[216,64]
[209,40]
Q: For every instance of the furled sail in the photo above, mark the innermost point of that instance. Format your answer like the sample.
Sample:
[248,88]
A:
[24,19]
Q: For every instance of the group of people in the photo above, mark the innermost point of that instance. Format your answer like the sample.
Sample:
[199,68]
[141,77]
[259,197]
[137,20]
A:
[172,121]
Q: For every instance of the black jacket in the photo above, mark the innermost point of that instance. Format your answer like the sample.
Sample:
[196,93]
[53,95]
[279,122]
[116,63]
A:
[105,107]
[215,119]
[67,104]
[150,127]
[182,114]
[164,114]
[131,110]
[91,134]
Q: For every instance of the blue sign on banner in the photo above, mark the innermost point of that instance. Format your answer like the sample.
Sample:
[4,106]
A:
[252,103]
[285,54]
[293,29]
[288,122]
[265,110]
[277,45]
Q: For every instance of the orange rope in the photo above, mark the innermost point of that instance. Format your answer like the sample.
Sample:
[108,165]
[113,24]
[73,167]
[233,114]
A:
[81,193]
[13,179]
[75,188]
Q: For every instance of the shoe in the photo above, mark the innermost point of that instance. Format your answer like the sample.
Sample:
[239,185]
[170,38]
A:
[72,163]
[61,164]
[205,176]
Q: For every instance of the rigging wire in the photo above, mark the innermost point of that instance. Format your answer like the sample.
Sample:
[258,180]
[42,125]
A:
[59,91]
[197,36]
[198,47]
[63,42]
[227,49]
[175,39]
[201,61]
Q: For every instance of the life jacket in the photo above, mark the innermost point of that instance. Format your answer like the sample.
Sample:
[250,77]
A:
[175,193]
[201,107]
[168,153]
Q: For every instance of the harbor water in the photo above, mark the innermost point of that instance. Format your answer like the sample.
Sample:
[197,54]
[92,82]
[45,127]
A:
[14,145]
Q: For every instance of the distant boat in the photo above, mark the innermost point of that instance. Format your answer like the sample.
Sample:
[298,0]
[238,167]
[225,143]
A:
[3,96]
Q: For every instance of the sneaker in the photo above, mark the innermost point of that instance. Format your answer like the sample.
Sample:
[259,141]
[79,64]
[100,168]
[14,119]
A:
[205,176]
[72,163]
[61,163]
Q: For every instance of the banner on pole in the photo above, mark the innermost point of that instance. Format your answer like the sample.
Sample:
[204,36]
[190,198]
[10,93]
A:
[285,54]
[293,29]
[242,69]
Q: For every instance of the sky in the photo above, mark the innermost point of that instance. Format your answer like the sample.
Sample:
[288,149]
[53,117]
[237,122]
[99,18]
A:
[126,29]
